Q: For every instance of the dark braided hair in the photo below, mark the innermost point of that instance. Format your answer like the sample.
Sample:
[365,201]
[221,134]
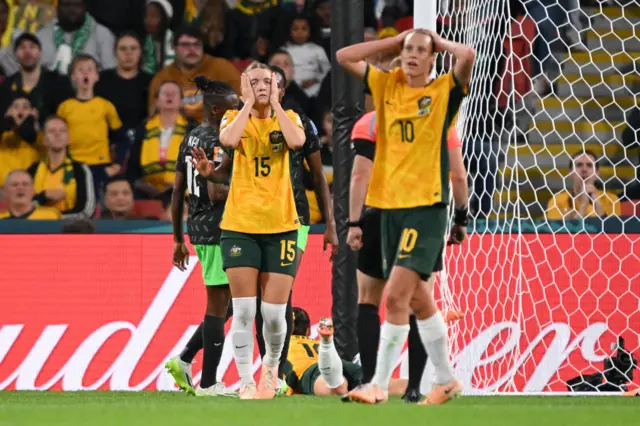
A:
[214,92]
[301,322]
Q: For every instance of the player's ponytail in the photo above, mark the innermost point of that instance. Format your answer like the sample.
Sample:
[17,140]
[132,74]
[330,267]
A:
[202,83]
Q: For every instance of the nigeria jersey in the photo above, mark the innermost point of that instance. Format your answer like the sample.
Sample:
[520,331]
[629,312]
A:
[311,145]
[203,225]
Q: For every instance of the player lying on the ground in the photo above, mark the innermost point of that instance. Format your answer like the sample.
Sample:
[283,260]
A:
[314,367]
[410,184]
[206,205]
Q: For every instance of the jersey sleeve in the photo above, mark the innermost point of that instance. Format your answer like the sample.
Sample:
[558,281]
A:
[363,136]
[228,118]
[375,81]
[454,139]
[181,165]
[295,118]
[112,116]
[312,143]
[62,110]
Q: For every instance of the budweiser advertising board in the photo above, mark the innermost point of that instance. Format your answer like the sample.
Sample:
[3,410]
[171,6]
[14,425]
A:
[105,312]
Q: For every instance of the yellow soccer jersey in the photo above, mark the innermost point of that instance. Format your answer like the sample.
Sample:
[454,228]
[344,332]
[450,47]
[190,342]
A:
[411,166]
[38,213]
[303,353]
[89,125]
[260,197]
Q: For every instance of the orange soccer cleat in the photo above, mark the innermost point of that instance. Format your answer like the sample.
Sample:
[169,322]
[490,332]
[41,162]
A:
[441,394]
[368,394]
[248,391]
[268,383]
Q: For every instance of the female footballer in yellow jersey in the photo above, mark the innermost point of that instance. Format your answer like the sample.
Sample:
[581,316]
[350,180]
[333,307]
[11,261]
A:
[410,185]
[260,222]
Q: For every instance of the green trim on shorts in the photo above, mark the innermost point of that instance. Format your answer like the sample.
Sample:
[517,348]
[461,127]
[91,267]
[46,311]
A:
[303,237]
[210,258]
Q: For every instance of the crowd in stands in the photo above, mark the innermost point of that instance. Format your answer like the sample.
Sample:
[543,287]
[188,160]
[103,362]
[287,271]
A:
[97,95]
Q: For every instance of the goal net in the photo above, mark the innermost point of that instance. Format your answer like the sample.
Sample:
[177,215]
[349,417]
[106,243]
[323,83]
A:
[549,279]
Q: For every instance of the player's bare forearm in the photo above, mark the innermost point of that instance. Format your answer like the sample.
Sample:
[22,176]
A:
[465,57]
[293,134]
[321,187]
[360,176]
[177,207]
[352,58]
[230,136]
[220,192]
[458,177]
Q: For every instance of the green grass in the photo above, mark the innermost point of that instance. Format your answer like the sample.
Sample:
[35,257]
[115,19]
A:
[177,409]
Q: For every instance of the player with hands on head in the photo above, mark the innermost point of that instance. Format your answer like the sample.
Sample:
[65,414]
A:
[410,185]
[260,222]
[206,206]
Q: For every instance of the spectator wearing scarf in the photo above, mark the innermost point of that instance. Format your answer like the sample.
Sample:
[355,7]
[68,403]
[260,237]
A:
[74,32]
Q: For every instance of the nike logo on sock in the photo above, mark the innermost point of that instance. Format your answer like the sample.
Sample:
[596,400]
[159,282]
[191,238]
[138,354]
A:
[218,344]
[240,347]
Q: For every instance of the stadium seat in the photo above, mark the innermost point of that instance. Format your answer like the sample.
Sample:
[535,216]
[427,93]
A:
[630,208]
[3,206]
[404,23]
[148,208]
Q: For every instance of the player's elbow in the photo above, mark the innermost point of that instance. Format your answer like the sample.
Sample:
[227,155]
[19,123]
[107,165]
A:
[228,141]
[297,141]
[467,55]
[341,57]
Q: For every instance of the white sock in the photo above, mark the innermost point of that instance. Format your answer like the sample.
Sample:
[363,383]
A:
[329,363]
[244,313]
[392,338]
[433,333]
[274,330]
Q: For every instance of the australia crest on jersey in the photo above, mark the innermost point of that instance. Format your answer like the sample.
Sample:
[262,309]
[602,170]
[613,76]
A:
[277,140]
[424,105]
[235,251]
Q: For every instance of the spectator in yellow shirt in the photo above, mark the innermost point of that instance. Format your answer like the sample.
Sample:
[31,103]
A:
[584,200]
[17,137]
[93,121]
[18,193]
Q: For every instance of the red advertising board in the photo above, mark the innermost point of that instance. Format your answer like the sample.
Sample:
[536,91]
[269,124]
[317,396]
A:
[105,312]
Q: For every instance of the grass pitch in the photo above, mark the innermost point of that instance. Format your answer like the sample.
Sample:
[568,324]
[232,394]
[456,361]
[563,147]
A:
[178,409]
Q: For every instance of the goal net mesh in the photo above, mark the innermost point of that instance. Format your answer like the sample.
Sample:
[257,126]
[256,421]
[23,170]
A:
[546,295]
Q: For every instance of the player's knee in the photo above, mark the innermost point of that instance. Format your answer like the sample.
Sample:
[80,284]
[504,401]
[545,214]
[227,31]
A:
[274,315]
[244,312]
[397,302]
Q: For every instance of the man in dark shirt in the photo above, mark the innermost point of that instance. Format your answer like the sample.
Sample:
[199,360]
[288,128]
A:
[125,85]
[46,89]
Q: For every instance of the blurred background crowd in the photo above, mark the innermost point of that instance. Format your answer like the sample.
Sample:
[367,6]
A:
[97,95]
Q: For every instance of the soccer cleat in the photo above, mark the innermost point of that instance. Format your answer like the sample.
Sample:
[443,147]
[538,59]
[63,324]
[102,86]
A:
[219,389]
[181,373]
[282,388]
[248,391]
[412,396]
[443,393]
[368,394]
[325,328]
[268,383]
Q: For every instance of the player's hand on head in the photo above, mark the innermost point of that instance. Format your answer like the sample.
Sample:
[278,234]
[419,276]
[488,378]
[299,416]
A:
[274,97]
[331,239]
[200,162]
[247,91]
[180,256]
[354,238]
[458,235]
[400,37]
[437,46]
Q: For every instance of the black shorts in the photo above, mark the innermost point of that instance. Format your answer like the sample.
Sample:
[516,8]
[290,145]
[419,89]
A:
[370,255]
